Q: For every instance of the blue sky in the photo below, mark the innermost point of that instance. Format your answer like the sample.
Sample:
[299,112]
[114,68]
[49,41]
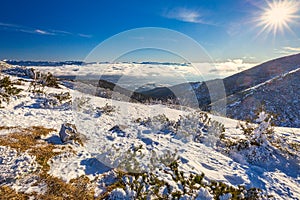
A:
[70,29]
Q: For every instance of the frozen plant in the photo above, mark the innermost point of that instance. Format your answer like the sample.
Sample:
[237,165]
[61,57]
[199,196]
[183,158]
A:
[7,90]
[172,183]
[82,103]
[198,127]
[158,123]
[107,109]
[256,147]
[56,100]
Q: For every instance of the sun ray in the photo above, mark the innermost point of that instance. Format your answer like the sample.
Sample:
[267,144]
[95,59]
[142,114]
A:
[278,16]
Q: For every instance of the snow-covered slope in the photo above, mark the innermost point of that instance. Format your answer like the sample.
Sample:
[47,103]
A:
[121,136]
[279,95]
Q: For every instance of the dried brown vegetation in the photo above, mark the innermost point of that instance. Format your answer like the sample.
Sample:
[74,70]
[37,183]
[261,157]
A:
[29,140]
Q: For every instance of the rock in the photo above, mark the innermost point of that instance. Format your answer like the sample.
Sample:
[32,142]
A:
[4,65]
[68,132]
[118,130]
[30,73]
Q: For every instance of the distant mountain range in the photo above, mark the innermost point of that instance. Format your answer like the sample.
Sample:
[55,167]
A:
[61,63]
[273,86]
[43,63]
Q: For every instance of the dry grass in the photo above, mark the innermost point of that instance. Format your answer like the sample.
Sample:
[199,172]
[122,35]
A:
[24,139]
[43,154]
[5,128]
[110,188]
[6,193]
[79,188]
[29,140]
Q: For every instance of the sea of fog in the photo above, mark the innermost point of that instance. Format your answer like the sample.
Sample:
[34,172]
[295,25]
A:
[135,75]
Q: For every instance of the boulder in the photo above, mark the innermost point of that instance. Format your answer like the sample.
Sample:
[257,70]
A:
[30,73]
[68,132]
[119,130]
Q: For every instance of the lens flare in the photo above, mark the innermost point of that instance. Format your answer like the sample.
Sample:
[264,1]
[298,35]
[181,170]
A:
[278,16]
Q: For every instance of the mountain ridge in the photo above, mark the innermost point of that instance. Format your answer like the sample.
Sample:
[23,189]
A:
[237,85]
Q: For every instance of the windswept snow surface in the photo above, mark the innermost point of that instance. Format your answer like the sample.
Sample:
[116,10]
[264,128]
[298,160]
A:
[93,158]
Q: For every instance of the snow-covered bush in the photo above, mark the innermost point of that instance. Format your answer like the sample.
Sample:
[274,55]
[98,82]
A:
[119,193]
[40,81]
[80,103]
[256,147]
[191,127]
[203,194]
[137,159]
[84,105]
[198,127]
[48,80]
[158,123]
[57,100]
[107,109]
[53,101]
[129,161]
[7,90]
[171,183]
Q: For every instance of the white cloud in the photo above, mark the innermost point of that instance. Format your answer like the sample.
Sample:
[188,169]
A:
[287,50]
[25,29]
[155,72]
[249,58]
[234,29]
[84,35]
[7,25]
[186,15]
[292,49]
[42,32]
[229,67]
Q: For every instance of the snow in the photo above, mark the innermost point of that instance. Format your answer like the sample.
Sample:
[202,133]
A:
[203,194]
[118,194]
[272,79]
[16,170]
[14,165]
[104,150]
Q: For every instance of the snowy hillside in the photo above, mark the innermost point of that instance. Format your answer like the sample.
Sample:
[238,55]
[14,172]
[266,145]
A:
[56,142]
[272,94]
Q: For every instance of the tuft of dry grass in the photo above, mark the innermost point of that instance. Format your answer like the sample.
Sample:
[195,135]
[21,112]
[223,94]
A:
[7,193]
[6,127]
[110,188]
[79,188]
[43,154]
[29,140]
[24,139]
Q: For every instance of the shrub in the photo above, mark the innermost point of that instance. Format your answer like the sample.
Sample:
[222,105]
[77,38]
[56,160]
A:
[84,105]
[49,80]
[158,123]
[107,109]
[7,90]
[56,100]
[40,81]
[198,127]
[256,147]
[151,185]
[81,103]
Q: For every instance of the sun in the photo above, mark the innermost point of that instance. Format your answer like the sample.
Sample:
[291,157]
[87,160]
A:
[278,16]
